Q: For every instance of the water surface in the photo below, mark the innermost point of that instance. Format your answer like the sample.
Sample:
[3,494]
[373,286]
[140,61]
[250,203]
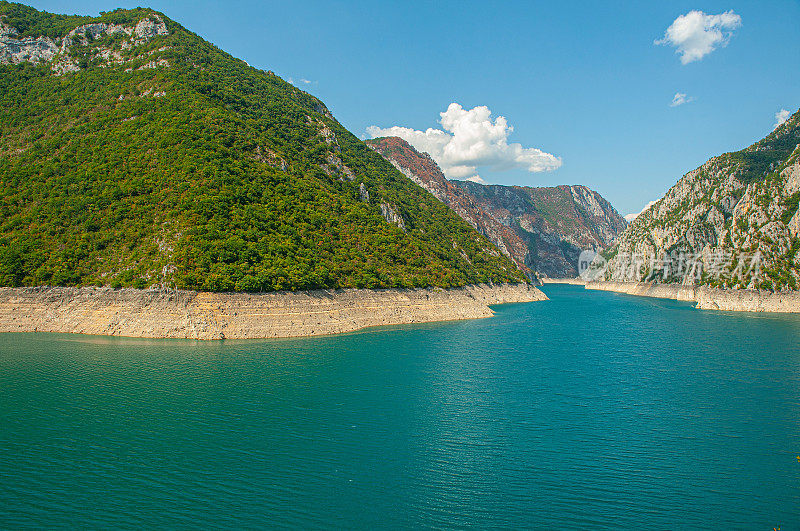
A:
[592,410]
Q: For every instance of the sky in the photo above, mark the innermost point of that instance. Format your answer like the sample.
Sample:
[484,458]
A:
[623,97]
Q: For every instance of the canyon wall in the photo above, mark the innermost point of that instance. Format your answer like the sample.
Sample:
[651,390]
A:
[543,229]
[733,222]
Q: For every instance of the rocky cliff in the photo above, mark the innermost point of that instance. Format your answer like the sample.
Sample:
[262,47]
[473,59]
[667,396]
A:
[67,54]
[731,223]
[542,229]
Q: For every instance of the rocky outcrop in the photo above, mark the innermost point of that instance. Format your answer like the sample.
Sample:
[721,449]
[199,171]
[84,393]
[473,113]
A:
[60,54]
[542,229]
[646,289]
[14,50]
[390,214]
[197,315]
[731,223]
[147,28]
[363,193]
[707,298]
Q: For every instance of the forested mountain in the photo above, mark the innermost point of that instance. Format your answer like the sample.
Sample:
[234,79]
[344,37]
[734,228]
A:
[134,153]
[733,222]
[543,229]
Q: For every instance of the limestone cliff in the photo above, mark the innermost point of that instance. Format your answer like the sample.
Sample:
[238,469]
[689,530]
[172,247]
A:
[555,223]
[542,229]
[731,223]
[66,54]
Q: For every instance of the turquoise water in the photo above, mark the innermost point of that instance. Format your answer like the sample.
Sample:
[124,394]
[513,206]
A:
[592,410]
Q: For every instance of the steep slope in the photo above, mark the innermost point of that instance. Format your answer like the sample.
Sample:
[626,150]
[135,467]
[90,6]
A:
[556,223]
[542,229]
[732,223]
[134,153]
[424,171]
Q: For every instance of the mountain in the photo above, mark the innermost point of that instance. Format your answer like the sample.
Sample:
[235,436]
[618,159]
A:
[134,153]
[542,229]
[731,223]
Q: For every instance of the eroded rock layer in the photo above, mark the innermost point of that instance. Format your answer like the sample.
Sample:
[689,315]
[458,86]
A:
[707,298]
[198,315]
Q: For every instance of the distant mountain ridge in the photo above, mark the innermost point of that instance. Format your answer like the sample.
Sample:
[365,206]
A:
[731,223]
[542,229]
[134,153]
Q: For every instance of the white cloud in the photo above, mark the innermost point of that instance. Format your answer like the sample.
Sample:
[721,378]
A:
[477,179]
[631,217]
[780,117]
[680,98]
[470,139]
[302,80]
[695,34]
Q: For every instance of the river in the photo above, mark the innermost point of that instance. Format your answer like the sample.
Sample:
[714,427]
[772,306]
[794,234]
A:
[591,410]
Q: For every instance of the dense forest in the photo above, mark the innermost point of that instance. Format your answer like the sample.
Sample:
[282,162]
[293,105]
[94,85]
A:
[162,160]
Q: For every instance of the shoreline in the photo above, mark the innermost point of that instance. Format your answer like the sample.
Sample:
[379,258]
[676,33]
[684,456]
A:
[571,281]
[204,315]
[708,298]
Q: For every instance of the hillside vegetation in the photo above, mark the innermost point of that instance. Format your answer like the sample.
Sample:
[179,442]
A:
[134,153]
[543,229]
[731,223]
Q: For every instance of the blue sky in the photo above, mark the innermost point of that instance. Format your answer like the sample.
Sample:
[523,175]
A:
[582,81]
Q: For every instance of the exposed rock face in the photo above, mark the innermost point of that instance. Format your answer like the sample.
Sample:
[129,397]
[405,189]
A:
[707,298]
[542,229]
[733,222]
[570,281]
[363,193]
[15,51]
[390,214]
[148,28]
[59,52]
[193,315]
[555,224]
[421,168]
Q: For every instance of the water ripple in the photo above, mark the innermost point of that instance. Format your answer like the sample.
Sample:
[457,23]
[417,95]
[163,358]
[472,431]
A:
[587,411]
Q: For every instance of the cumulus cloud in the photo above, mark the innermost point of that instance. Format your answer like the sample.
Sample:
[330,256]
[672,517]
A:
[297,82]
[470,139]
[680,98]
[477,179]
[695,34]
[630,217]
[780,117]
